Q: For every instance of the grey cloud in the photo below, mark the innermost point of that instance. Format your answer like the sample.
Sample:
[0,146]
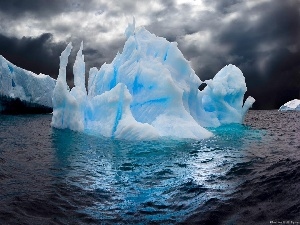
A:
[43,8]
[170,4]
[226,6]
[15,8]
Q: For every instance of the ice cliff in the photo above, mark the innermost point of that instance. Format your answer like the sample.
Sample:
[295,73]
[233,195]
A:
[293,105]
[148,91]
[22,88]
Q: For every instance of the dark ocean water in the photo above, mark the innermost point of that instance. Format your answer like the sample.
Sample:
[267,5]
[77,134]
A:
[245,174]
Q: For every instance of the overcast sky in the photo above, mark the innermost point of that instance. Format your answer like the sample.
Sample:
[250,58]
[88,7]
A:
[261,37]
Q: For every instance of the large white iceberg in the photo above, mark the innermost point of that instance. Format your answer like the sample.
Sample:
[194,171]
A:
[148,91]
[293,105]
[22,85]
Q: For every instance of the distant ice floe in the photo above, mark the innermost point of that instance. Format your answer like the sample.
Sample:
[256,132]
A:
[148,91]
[293,105]
[25,87]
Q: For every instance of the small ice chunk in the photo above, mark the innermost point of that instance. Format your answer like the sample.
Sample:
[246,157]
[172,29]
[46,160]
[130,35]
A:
[293,105]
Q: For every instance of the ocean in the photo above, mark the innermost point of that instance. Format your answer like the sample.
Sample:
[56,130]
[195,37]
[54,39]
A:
[245,174]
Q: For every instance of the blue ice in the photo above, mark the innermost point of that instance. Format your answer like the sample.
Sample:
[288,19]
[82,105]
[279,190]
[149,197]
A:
[147,92]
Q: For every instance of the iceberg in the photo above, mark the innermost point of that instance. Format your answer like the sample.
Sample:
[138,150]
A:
[293,105]
[24,91]
[148,91]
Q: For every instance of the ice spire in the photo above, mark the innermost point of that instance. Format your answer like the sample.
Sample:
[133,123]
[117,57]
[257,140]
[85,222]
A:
[130,28]
[64,62]
[79,69]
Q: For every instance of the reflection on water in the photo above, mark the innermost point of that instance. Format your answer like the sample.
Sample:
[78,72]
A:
[242,175]
[152,180]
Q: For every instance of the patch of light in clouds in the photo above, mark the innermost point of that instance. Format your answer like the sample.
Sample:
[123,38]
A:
[198,5]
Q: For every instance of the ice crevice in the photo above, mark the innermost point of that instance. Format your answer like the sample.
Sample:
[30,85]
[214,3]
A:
[147,92]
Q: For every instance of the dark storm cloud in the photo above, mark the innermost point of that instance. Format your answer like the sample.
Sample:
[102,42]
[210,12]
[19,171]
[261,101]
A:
[171,29]
[17,8]
[103,53]
[175,21]
[42,8]
[225,6]
[267,50]
[40,54]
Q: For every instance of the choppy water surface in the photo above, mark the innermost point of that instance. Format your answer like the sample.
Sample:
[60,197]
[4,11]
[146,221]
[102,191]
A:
[245,174]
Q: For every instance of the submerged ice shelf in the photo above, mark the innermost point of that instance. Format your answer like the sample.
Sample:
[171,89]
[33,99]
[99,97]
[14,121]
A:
[21,89]
[148,91]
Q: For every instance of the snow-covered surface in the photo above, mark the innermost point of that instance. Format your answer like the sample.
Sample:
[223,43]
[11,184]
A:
[293,105]
[19,83]
[148,91]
